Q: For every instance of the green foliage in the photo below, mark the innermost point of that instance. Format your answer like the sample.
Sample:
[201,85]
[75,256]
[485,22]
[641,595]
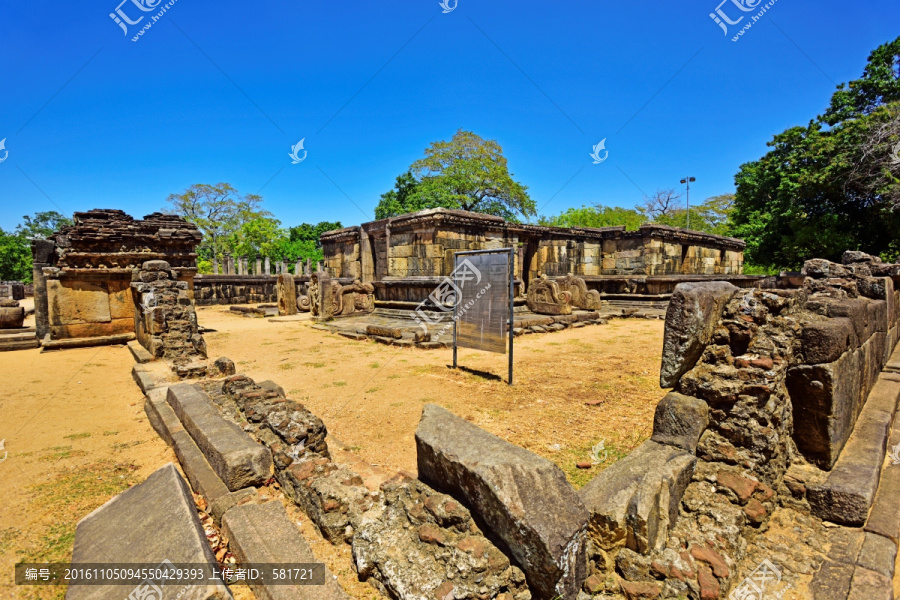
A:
[15,257]
[466,172]
[257,236]
[596,216]
[220,212]
[42,225]
[15,247]
[828,186]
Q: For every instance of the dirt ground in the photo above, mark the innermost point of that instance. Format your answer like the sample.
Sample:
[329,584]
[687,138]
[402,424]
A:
[75,436]
[573,389]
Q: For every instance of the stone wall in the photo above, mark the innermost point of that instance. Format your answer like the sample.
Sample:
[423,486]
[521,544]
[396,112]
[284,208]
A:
[241,289]
[15,290]
[84,271]
[770,385]
[422,245]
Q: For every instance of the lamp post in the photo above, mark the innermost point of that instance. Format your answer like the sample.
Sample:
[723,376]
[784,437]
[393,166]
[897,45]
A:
[688,181]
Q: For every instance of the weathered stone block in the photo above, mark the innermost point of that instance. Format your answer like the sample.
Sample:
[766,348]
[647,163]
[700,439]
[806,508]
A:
[12,317]
[263,534]
[826,341]
[878,554]
[848,492]
[233,455]
[77,302]
[148,523]
[831,581]
[691,318]
[680,421]
[869,585]
[634,503]
[524,500]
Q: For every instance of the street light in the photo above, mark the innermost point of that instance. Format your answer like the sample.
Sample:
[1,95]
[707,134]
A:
[688,181]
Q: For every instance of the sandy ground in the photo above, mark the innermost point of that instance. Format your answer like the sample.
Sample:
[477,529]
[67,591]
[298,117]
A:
[371,396]
[75,436]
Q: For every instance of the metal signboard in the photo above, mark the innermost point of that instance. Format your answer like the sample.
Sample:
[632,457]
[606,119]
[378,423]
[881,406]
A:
[484,306]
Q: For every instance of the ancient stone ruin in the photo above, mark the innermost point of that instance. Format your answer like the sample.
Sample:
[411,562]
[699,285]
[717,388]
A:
[83,273]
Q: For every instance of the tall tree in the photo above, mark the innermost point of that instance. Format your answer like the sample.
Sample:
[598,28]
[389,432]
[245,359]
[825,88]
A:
[661,204]
[15,257]
[467,172]
[218,211]
[833,184]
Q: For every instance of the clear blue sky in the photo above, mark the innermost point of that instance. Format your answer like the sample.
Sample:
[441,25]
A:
[220,91]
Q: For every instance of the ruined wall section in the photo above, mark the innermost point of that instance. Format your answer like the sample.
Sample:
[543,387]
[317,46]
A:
[85,270]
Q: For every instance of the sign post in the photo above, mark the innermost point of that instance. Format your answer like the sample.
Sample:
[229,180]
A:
[483,307]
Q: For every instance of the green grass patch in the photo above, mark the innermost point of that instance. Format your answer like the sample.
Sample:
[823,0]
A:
[77,436]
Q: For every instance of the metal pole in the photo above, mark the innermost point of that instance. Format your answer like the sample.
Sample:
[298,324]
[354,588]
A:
[688,179]
[455,319]
[512,254]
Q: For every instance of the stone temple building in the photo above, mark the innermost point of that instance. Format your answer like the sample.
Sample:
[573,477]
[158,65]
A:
[397,253]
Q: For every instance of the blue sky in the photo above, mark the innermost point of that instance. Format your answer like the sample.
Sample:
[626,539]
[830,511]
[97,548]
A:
[221,91]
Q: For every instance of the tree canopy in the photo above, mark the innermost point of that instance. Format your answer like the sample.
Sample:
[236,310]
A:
[831,185]
[467,172]
[15,246]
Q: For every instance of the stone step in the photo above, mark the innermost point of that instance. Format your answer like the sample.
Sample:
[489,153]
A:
[10,345]
[104,340]
[143,378]
[149,523]
[140,354]
[263,534]
[849,490]
[884,518]
[237,459]
[200,474]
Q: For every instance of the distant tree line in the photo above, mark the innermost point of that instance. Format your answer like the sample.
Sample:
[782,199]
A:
[236,224]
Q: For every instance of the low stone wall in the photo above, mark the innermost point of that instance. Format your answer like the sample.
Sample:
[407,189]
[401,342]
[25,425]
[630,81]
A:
[210,290]
[16,290]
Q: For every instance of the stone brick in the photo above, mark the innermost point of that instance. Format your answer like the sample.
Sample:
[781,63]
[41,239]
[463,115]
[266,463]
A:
[680,421]
[691,318]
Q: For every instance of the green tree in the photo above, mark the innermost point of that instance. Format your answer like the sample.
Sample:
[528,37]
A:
[15,257]
[306,232]
[42,225]
[831,185]
[596,216]
[218,211]
[257,236]
[467,172]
